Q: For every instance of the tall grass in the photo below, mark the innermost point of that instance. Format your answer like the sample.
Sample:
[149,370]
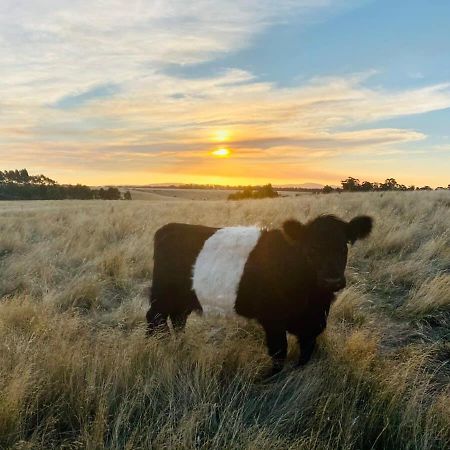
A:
[76,370]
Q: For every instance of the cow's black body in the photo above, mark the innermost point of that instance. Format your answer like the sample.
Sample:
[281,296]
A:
[278,289]
[288,284]
[176,248]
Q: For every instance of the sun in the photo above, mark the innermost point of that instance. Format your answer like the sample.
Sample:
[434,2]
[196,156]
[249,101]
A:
[221,153]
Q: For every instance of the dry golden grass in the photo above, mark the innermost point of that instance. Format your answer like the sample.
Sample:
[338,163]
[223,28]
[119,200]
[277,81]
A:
[76,370]
[164,194]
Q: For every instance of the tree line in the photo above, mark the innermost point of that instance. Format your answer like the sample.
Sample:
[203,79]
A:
[20,185]
[351,184]
[266,191]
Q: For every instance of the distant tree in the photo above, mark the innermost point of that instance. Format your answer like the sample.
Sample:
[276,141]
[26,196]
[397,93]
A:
[20,185]
[366,186]
[23,176]
[42,179]
[266,191]
[246,192]
[390,184]
[110,193]
[79,192]
[327,189]
[113,193]
[127,195]
[350,184]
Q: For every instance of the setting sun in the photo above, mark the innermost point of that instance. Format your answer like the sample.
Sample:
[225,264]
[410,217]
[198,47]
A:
[221,152]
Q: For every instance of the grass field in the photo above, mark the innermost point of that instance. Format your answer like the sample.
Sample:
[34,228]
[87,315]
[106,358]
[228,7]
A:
[76,370]
[164,194]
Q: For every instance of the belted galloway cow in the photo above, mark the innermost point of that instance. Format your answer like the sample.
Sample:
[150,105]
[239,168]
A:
[284,278]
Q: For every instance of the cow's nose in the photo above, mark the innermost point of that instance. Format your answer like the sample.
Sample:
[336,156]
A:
[336,284]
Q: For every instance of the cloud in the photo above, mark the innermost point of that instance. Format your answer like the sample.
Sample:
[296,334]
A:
[66,46]
[86,85]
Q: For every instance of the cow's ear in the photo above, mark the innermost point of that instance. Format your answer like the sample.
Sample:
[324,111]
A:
[293,229]
[359,228]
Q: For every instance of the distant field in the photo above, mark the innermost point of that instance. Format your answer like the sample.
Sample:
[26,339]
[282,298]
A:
[191,194]
[76,370]
[178,194]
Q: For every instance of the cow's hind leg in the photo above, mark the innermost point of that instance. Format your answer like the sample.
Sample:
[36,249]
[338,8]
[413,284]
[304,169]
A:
[156,322]
[179,321]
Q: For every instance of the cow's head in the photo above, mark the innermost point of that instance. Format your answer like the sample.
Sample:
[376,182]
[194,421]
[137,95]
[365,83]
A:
[324,242]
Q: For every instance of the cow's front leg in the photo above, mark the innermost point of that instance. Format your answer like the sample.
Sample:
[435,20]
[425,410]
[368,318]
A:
[307,345]
[277,345]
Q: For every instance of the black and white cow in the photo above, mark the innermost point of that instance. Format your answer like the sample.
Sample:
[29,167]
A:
[285,278]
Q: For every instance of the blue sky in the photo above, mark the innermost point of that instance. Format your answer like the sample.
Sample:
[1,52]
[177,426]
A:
[297,91]
[404,41]
[78,99]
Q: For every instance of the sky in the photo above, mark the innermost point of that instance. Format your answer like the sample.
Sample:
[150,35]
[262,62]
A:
[226,92]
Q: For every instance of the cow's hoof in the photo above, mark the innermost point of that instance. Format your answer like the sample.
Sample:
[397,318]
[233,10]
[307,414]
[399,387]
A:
[300,365]
[271,376]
